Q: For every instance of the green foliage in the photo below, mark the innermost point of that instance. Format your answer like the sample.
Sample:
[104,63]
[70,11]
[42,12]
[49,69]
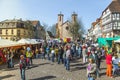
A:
[53,29]
[28,25]
[45,26]
[77,29]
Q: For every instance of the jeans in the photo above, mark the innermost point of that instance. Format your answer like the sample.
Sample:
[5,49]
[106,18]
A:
[22,72]
[48,56]
[8,63]
[67,64]
[43,55]
[11,63]
[60,59]
[37,56]
[31,62]
[115,67]
[97,72]
[28,62]
[53,56]
[99,62]
[79,54]
[84,59]
[91,78]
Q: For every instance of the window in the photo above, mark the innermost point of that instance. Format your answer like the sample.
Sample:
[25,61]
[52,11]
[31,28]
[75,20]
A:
[7,24]
[6,31]
[119,24]
[60,18]
[0,31]
[24,33]
[18,32]
[12,31]
[67,28]
[107,17]
[114,16]
[117,16]
[115,25]
[118,27]
[13,24]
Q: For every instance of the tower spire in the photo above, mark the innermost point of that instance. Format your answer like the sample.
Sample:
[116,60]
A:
[74,17]
[60,18]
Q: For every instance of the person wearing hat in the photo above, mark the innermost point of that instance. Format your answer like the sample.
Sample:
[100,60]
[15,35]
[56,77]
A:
[109,64]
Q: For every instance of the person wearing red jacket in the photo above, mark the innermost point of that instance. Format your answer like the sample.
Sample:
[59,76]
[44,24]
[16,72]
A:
[109,64]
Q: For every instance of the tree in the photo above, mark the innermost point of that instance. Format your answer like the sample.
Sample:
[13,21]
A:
[45,26]
[76,29]
[30,28]
[53,29]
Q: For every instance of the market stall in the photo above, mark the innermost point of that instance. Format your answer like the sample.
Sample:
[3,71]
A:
[117,46]
[7,43]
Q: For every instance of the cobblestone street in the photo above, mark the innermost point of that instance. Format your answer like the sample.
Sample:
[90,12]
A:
[46,70]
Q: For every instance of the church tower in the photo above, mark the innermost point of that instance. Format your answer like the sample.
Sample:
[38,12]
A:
[59,25]
[60,18]
[74,17]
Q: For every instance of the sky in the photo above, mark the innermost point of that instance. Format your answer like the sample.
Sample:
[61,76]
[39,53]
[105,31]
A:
[46,11]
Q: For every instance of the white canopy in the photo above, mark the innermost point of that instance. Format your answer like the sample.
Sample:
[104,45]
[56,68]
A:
[7,43]
[28,41]
[117,41]
[24,41]
[33,41]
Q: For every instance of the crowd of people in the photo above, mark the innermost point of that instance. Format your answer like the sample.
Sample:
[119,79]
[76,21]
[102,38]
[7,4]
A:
[64,53]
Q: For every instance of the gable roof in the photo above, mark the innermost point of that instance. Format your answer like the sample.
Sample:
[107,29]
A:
[114,6]
[66,22]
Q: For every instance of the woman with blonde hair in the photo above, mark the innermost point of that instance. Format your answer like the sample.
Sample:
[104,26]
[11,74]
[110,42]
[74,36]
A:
[91,70]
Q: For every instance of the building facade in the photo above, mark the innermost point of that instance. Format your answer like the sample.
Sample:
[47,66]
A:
[63,28]
[17,28]
[111,20]
[108,25]
[12,29]
[97,29]
[39,30]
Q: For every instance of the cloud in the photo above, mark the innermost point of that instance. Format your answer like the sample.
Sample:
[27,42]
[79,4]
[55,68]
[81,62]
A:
[10,9]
